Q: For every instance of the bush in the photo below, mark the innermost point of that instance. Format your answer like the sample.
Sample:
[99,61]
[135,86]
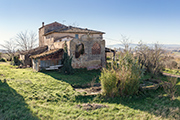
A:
[67,60]
[171,64]
[122,79]
[108,58]
[170,86]
[108,80]
[3,60]
[16,61]
[151,58]
[174,64]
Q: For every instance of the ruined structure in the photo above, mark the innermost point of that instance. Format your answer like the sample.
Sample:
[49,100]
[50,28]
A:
[25,56]
[87,47]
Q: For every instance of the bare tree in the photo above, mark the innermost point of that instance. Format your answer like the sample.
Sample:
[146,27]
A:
[152,58]
[26,40]
[10,47]
[125,43]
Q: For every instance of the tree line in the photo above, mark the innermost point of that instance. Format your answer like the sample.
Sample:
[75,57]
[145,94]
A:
[23,41]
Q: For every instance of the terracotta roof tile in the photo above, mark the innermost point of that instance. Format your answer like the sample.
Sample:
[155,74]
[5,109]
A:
[69,29]
[46,53]
[33,51]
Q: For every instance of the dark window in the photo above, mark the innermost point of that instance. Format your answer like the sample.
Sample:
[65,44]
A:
[76,36]
[79,50]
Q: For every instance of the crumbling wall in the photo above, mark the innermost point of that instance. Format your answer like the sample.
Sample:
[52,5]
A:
[89,59]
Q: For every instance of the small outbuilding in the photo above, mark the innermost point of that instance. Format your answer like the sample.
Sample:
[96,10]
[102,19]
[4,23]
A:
[25,56]
[51,59]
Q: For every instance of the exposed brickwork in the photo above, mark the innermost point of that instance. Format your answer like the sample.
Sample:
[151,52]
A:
[90,59]
[96,48]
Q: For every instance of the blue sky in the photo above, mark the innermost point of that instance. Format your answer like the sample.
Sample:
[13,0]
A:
[148,20]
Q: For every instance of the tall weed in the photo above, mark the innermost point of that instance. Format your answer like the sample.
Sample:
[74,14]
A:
[170,86]
[122,78]
[108,81]
[152,58]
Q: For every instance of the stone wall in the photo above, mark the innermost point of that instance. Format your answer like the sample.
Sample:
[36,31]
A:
[93,56]
[35,64]
[51,38]
[41,37]
[89,59]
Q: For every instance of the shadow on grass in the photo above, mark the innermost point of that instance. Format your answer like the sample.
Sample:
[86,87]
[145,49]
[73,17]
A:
[80,79]
[12,105]
[153,102]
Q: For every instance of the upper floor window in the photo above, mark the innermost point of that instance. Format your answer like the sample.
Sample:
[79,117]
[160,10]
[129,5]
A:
[79,50]
[101,36]
[76,36]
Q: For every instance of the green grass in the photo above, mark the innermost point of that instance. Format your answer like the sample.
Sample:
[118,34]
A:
[80,78]
[27,94]
[172,71]
[177,53]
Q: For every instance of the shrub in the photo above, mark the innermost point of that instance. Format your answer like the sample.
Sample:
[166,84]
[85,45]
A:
[174,64]
[170,86]
[67,60]
[151,58]
[123,78]
[16,61]
[3,60]
[108,80]
[108,58]
[171,64]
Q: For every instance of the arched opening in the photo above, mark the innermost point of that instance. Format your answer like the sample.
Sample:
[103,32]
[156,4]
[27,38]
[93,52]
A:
[96,49]
[79,50]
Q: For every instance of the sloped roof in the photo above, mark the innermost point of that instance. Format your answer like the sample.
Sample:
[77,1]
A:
[35,50]
[53,24]
[46,53]
[109,50]
[74,30]
[60,28]
[63,37]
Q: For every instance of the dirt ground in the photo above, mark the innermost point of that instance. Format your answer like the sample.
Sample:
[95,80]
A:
[89,91]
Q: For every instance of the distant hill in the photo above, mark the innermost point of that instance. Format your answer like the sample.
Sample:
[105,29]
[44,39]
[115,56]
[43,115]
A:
[165,46]
[2,51]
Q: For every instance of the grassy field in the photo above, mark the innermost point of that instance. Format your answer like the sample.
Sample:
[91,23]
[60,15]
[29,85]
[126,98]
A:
[26,94]
[176,53]
[80,78]
[173,71]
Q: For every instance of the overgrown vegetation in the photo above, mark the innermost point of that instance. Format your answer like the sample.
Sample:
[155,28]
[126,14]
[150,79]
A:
[27,94]
[151,58]
[172,71]
[15,61]
[67,60]
[170,86]
[121,79]
[3,60]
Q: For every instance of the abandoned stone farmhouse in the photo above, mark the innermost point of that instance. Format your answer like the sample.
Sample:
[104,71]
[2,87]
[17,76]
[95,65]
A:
[86,47]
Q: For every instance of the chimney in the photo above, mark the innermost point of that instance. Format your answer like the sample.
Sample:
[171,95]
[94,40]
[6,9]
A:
[42,24]
[70,27]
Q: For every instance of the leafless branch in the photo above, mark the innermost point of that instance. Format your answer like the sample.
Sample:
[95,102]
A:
[10,47]
[125,42]
[26,40]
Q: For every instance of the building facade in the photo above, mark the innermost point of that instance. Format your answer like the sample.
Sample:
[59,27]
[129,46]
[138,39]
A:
[86,47]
